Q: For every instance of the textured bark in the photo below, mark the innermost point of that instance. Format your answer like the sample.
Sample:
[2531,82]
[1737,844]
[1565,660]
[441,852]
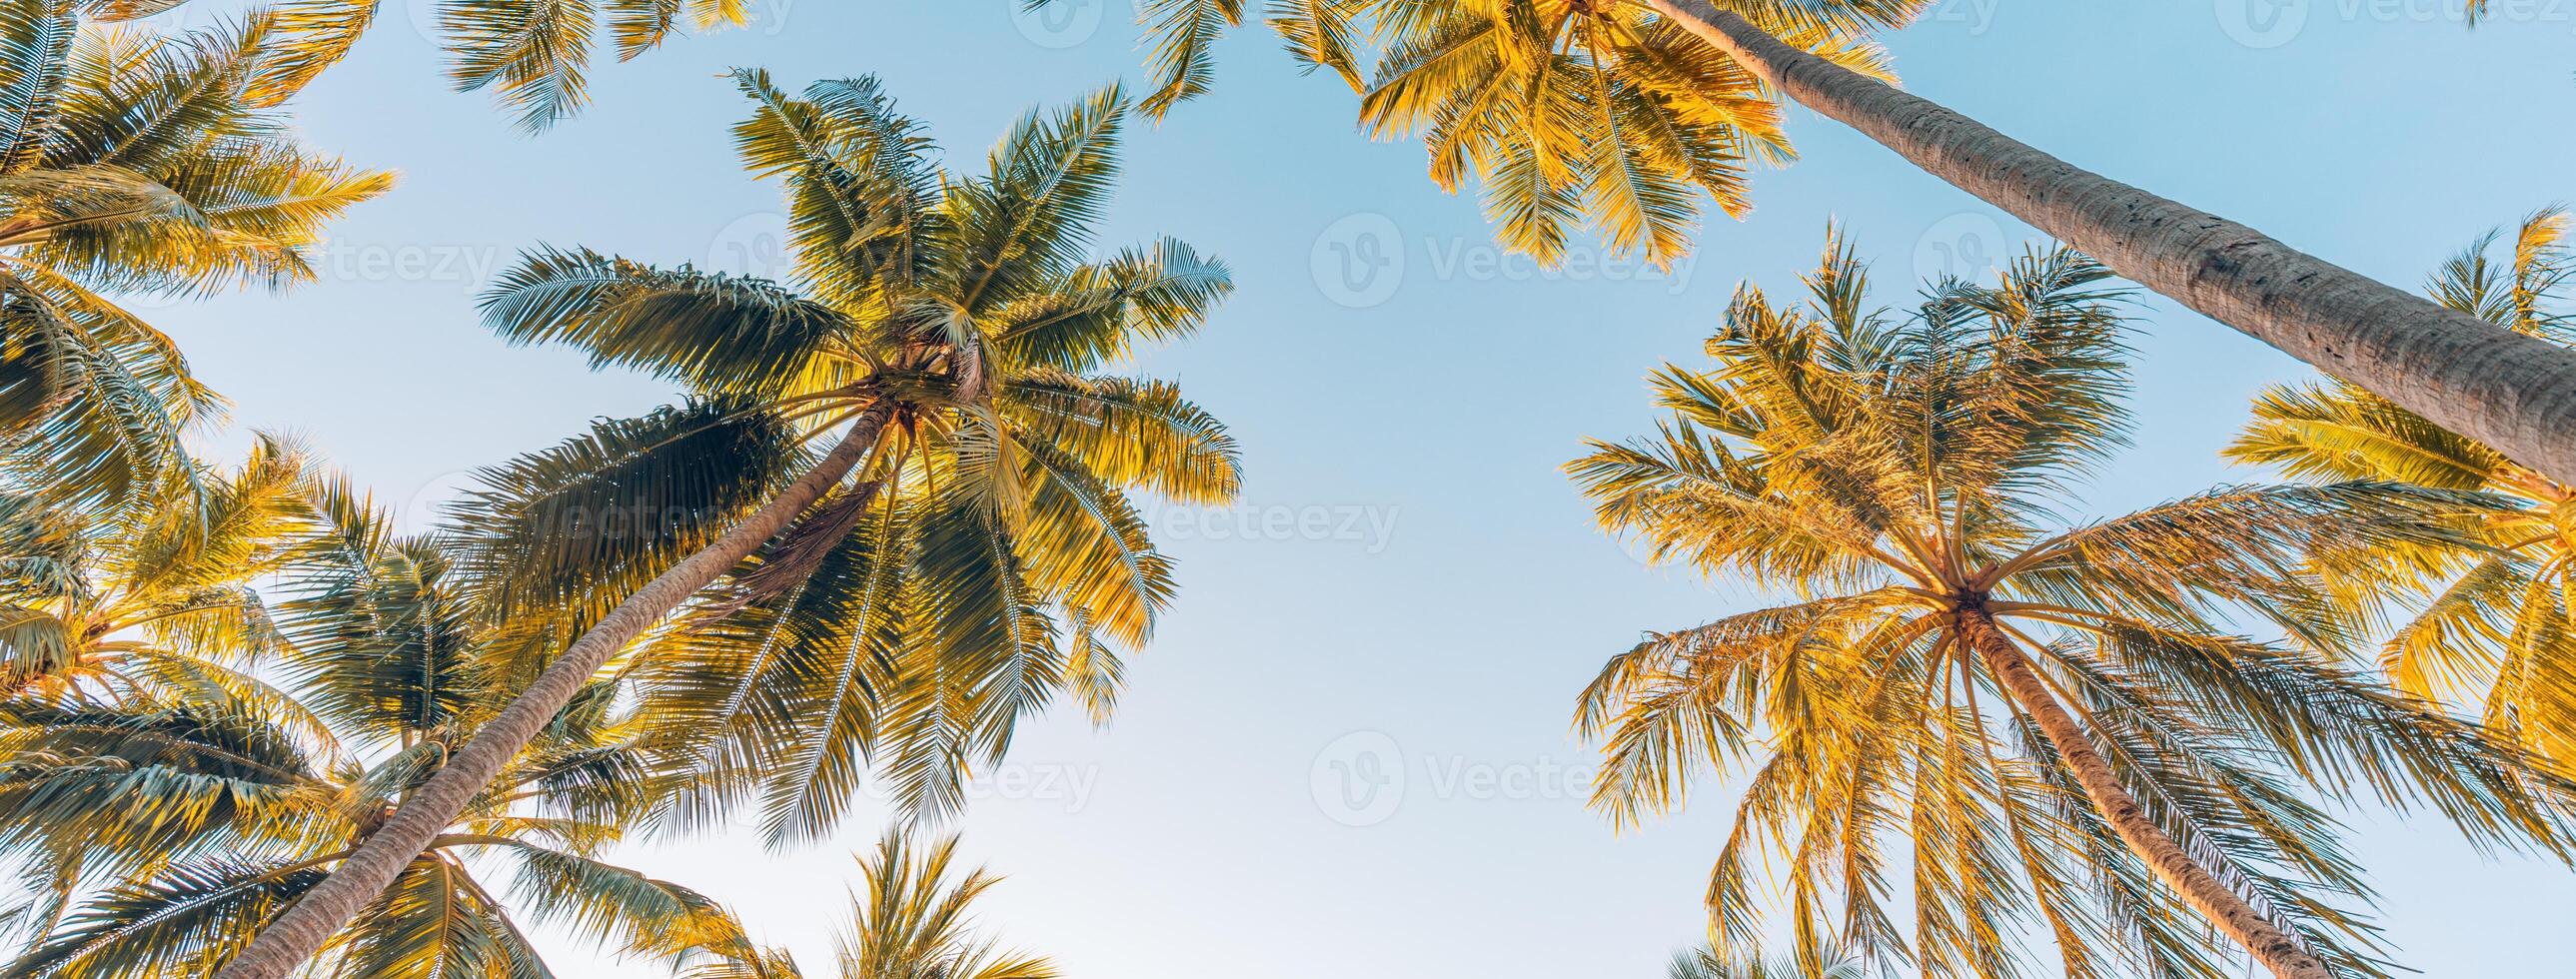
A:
[2283,955]
[2510,391]
[428,811]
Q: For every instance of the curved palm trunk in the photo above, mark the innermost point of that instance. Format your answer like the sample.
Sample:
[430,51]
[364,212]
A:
[287,942]
[2510,391]
[2284,955]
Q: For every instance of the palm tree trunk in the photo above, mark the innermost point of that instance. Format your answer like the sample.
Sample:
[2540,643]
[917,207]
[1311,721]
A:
[2513,392]
[2284,955]
[287,942]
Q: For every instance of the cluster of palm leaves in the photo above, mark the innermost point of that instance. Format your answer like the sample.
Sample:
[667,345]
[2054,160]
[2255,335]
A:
[168,799]
[924,415]
[2023,729]
[244,726]
[134,164]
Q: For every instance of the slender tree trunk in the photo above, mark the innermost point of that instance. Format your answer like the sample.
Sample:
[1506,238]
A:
[2277,950]
[287,942]
[2510,391]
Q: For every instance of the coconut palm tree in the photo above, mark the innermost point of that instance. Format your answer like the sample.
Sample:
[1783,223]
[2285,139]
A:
[2492,624]
[133,164]
[915,920]
[1609,110]
[193,821]
[149,600]
[963,548]
[2062,722]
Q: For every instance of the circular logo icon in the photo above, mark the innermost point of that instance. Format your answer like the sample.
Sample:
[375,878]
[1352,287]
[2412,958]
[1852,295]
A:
[1358,261]
[1057,24]
[1968,245]
[425,21]
[754,245]
[421,511]
[2262,24]
[1358,779]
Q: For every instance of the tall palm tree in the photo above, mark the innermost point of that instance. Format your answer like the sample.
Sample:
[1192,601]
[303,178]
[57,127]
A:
[2061,720]
[191,822]
[964,547]
[2492,624]
[915,920]
[153,599]
[1600,109]
[137,164]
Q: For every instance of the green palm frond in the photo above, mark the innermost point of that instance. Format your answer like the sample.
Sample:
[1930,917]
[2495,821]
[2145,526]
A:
[572,528]
[2489,598]
[184,922]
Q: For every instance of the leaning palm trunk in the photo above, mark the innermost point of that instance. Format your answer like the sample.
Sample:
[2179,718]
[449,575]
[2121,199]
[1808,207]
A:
[2513,392]
[434,807]
[2279,952]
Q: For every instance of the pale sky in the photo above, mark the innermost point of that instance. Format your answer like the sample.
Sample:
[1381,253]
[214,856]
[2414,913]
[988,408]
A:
[1409,585]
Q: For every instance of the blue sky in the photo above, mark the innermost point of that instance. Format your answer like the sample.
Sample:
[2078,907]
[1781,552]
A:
[1409,583]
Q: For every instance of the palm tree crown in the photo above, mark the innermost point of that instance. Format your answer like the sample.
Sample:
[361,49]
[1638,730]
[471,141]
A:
[986,554]
[191,817]
[2493,621]
[147,599]
[2064,720]
[140,164]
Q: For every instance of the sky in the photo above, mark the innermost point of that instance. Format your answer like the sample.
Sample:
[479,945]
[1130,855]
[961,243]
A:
[1347,752]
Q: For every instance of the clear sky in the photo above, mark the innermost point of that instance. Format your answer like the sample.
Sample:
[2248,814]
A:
[1410,585]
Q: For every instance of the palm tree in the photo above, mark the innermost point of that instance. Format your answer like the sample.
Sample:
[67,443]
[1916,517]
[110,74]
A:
[916,920]
[963,548]
[1600,109]
[191,822]
[2061,721]
[144,600]
[2492,623]
[135,164]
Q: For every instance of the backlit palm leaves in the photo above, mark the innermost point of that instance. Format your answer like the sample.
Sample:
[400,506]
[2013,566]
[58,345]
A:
[139,164]
[986,555]
[914,921]
[2491,626]
[1565,112]
[190,821]
[2062,720]
[146,600]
